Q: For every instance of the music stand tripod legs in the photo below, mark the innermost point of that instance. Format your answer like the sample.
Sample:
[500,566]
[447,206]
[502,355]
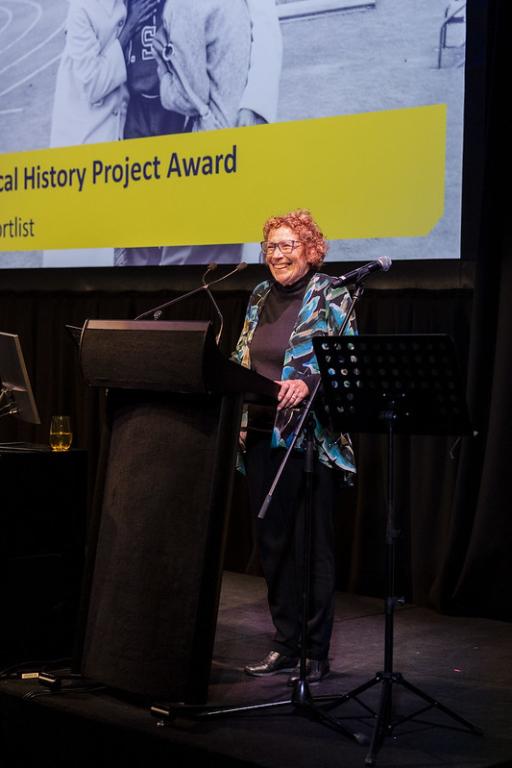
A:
[385,722]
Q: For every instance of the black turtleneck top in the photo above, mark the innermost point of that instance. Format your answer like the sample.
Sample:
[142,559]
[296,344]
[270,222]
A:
[276,323]
[271,337]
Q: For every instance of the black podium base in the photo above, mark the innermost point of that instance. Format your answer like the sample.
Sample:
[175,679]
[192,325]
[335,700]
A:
[155,590]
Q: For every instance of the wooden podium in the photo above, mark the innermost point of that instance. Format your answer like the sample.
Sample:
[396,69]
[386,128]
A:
[157,538]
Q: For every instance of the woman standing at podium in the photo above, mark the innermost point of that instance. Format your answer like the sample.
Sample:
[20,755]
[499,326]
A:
[283,316]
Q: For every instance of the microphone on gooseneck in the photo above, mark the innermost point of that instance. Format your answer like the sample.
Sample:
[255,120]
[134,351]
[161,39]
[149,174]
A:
[156,312]
[361,273]
[238,268]
[213,265]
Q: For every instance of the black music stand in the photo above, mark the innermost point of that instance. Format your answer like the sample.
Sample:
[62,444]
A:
[393,384]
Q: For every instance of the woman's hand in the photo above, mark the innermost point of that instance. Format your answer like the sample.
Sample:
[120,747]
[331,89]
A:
[137,14]
[291,393]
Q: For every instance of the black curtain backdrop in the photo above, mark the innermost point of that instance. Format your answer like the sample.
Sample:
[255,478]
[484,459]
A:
[453,498]
[393,303]
[475,575]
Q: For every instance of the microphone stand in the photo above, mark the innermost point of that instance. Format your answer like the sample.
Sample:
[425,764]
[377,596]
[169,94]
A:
[301,698]
[219,314]
[215,305]
[356,295]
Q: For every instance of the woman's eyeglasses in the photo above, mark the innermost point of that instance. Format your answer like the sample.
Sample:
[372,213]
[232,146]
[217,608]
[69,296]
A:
[284,246]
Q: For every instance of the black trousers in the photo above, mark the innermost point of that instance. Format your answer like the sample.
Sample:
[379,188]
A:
[280,537]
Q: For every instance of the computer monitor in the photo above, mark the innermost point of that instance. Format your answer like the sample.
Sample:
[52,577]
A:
[16,396]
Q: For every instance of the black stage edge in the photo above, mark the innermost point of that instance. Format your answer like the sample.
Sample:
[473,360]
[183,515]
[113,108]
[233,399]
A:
[466,662]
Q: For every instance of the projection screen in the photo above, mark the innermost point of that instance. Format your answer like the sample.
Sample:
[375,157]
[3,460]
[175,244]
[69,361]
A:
[167,131]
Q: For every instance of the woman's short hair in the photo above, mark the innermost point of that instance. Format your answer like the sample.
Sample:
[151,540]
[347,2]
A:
[307,230]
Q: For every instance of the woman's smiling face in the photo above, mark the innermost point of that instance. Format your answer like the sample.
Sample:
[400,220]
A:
[287,268]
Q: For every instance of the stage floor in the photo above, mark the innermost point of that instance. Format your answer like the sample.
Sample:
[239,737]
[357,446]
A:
[466,663]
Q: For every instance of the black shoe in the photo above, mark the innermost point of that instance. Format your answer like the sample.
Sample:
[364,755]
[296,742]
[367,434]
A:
[316,670]
[273,664]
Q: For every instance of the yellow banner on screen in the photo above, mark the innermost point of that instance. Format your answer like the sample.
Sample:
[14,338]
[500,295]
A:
[378,174]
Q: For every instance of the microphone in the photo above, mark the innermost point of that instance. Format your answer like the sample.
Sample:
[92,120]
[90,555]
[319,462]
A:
[360,274]
[210,268]
[238,268]
[156,312]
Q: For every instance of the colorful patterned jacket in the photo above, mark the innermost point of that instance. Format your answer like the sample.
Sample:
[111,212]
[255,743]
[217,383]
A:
[322,313]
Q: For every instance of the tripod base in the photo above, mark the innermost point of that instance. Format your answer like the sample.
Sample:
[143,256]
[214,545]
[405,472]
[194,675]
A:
[301,700]
[385,723]
[312,706]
